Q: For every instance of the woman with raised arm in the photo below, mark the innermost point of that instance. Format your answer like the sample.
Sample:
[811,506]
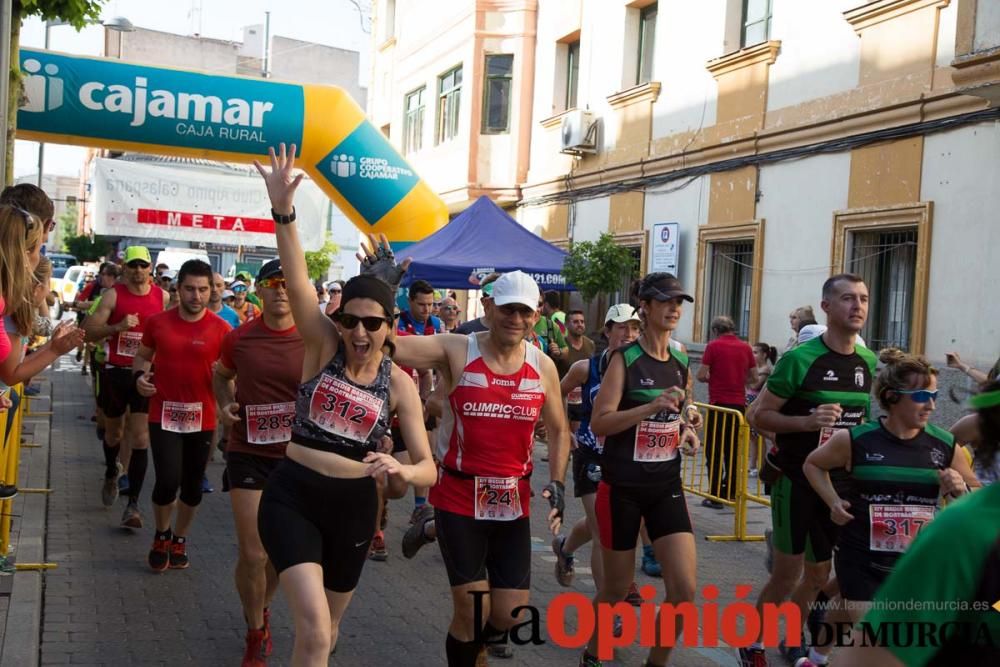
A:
[317,511]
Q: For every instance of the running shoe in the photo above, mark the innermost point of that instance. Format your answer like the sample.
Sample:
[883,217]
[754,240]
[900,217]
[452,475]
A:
[805,662]
[109,491]
[123,484]
[564,563]
[419,511]
[159,555]
[792,653]
[254,654]
[501,650]
[206,486]
[7,566]
[32,391]
[131,518]
[178,554]
[7,491]
[415,537]
[751,657]
[712,504]
[268,645]
[633,597]
[587,660]
[649,563]
[378,551]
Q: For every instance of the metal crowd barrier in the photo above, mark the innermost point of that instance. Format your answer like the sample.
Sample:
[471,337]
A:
[720,470]
[10,458]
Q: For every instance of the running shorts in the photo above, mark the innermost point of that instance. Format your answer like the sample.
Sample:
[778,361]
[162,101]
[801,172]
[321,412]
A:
[248,471]
[586,464]
[307,517]
[621,509]
[859,575]
[575,412]
[801,521]
[476,550]
[120,393]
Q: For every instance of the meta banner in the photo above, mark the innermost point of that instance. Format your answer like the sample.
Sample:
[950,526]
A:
[220,205]
[122,106]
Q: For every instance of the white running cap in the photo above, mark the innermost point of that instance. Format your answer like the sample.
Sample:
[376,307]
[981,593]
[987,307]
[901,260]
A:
[516,287]
[622,312]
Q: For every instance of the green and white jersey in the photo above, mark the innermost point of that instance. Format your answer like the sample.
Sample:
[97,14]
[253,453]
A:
[946,582]
[812,375]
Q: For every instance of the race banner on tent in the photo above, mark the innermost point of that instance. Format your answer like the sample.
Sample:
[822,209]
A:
[136,199]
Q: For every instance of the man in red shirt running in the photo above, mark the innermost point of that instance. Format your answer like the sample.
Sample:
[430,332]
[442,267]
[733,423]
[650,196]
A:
[121,317]
[256,382]
[728,366]
[184,343]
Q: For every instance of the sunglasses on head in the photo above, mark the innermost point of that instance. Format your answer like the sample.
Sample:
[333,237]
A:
[29,219]
[919,395]
[137,264]
[273,283]
[350,322]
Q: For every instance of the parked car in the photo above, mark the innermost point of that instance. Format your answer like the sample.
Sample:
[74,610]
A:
[61,263]
[65,288]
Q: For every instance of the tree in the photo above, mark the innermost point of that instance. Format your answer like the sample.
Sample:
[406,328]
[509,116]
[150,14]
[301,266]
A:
[78,13]
[318,261]
[86,249]
[598,267]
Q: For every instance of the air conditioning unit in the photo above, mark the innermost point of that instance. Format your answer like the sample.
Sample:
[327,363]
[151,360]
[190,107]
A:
[578,133]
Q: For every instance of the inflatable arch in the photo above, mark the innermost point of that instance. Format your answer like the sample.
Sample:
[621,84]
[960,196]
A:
[113,104]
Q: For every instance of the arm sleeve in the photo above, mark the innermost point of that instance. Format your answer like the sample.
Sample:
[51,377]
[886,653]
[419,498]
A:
[786,376]
[708,355]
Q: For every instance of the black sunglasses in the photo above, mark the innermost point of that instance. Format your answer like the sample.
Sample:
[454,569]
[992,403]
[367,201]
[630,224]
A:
[349,322]
[137,264]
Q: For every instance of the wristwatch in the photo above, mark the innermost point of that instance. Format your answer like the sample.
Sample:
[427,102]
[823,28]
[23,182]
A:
[283,219]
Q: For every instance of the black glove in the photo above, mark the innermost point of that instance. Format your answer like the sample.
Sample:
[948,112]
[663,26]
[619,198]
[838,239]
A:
[556,497]
[383,266]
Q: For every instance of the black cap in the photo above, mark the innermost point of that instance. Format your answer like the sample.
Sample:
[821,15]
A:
[269,269]
[663,287]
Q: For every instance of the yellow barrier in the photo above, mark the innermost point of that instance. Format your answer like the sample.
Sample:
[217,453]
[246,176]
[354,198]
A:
[9,460]
[719,471]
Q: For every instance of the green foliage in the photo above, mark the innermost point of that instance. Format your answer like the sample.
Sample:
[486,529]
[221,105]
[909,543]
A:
[318,261]
[85,249]
[598,267]
[77,13]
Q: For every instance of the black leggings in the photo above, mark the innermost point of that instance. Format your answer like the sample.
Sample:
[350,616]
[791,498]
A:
[179,460]
[308,517]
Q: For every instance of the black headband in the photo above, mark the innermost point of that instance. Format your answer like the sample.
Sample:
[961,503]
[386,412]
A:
[369,287]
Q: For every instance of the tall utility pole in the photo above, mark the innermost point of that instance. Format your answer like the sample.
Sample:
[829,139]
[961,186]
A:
[6,8]
[266,72]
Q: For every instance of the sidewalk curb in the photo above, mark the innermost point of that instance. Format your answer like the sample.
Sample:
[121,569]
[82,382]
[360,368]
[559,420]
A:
[22,638]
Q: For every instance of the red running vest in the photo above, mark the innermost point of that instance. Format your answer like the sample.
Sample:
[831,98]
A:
[123,346]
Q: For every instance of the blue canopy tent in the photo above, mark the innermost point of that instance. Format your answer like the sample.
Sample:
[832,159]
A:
[480,240]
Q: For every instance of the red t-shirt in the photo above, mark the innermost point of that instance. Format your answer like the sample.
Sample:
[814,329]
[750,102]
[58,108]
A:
[183,354]
[268,365]
[728,359]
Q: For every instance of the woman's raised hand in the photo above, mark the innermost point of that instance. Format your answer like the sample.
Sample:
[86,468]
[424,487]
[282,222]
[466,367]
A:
[281,181]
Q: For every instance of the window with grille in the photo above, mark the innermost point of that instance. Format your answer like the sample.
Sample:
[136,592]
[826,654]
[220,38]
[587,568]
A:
[887,261]
[730,281]
[647,44]
[496,106]
[449,103]
[572,73]
[413,122]
[756,22]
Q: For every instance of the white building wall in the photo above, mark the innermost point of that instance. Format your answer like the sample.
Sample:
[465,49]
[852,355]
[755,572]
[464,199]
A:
[961,175]
[947,26]
[797,203]
[590,219]
[688,207]
[688,35]
[820,52]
